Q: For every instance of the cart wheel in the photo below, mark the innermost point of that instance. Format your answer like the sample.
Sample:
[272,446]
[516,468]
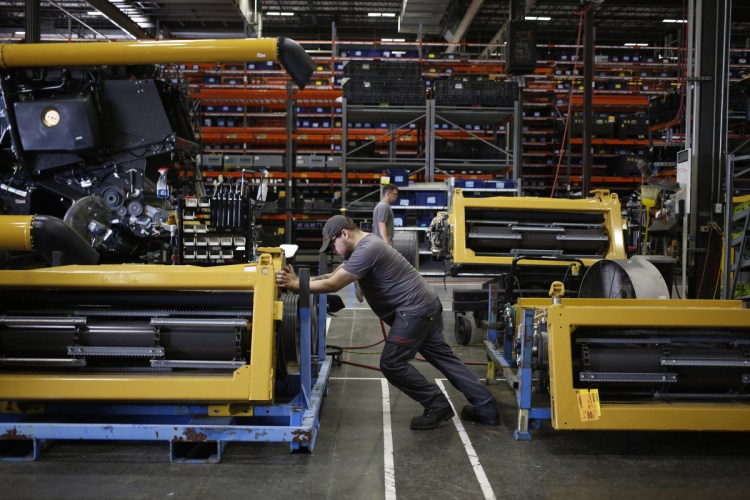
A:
[462,330]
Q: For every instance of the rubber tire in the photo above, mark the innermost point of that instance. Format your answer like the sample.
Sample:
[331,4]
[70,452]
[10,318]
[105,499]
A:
[462,330]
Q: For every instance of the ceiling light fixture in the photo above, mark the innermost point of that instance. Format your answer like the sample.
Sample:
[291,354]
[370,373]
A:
[392,40]
[633,44]
[537,18]
[275,13]
[679,21]
[94,13]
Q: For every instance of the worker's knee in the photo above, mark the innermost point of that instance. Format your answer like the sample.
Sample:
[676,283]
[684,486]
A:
[391,367]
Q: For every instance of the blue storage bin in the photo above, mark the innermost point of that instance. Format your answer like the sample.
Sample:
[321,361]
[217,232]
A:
[431,198]
[469,183]
[405,199]
[399,177]
[500,184]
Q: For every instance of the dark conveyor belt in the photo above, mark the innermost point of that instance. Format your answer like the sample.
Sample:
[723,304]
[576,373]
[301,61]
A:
[668,364]
[125,331]
[512,233]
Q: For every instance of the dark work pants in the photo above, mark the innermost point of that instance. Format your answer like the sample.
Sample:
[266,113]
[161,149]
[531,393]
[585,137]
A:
[422,332]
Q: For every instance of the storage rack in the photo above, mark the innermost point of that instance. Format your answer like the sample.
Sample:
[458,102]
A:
[321,121]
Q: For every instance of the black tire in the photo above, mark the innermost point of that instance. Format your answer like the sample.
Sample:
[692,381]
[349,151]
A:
[462,330]
[407,244]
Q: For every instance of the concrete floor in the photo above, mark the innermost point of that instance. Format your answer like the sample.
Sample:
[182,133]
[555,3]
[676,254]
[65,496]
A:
[453,461]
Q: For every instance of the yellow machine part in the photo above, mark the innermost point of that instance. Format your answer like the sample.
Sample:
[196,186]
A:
[252,382]
[603,202]
[138,52]
[15,232]
[563,319]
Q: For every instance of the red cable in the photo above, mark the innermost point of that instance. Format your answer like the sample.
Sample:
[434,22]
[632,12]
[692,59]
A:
[570,104]
[370,367]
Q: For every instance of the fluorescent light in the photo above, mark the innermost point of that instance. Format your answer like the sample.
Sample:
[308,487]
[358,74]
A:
[275,13]
[632,44]
[94,13]
[392,39]
[679,21]
[374,14]
[389,14]
[287,13]
[20,33]
[538,18]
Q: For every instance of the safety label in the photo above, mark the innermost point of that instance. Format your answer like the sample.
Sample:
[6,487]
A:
[588,404]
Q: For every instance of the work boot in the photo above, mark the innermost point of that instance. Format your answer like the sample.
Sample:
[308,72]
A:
[431,418]
[469,412]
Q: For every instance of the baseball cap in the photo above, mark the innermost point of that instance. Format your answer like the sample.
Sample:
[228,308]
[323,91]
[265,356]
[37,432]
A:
[332,228]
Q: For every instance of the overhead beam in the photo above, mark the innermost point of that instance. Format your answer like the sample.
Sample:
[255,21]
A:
[119,19]
[463,27]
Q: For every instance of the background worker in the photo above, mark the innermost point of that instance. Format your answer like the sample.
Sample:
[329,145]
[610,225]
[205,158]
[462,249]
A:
[399,295]
[382,215]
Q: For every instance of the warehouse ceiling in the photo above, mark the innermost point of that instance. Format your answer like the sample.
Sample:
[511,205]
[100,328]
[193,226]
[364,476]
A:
[470,21]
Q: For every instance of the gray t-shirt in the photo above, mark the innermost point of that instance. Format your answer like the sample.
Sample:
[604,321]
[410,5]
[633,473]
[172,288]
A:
[383,213]
[388,281]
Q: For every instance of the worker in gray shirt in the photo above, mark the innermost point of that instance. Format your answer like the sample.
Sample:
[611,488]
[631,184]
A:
[382,215]
[402,298]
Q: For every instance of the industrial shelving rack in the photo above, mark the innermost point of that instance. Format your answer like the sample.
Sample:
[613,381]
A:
[262,116]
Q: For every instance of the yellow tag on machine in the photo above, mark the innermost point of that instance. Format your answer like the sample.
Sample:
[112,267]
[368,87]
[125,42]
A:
[588,404]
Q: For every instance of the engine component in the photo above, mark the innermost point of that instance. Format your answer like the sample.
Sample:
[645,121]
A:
[77,125]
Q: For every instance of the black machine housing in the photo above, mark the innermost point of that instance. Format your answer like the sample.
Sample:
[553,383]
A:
[85,145]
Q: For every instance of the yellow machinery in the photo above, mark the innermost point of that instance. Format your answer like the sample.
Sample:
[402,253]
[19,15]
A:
[491,232]
[142,352]
[192,356]
[140,333]
[534,240]
[611,364]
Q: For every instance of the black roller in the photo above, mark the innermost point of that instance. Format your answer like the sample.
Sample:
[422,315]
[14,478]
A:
[407,244]
[666,363]
[36,299]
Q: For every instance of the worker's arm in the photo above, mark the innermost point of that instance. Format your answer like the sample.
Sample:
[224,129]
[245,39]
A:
[332,282]
[384,232]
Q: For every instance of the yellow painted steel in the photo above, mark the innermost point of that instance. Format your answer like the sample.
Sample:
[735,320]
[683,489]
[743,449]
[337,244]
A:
[15,232]
[563,319]
[603,202]
[253,382]
[138,52]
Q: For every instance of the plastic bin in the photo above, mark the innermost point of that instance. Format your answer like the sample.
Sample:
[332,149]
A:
[431,198]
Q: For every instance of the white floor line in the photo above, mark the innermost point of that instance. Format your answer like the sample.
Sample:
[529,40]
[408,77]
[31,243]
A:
[357,378]
[390,470]
[478,469]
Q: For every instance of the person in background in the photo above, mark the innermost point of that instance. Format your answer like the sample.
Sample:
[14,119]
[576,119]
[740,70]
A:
[382,215]
[404,300]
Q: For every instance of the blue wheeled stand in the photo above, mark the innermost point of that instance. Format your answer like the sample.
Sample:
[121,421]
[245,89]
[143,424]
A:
[196,433]
[518,372]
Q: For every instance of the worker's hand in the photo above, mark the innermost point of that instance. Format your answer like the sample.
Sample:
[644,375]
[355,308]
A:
[286,277]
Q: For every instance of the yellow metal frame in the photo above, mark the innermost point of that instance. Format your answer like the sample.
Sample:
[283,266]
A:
[139,52]
[564,318]
[253,382]
[603,202]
